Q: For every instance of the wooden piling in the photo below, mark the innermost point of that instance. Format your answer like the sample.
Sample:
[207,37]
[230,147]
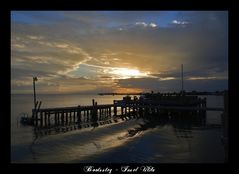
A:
[55,120]
[49,118]
[100,114]
[78,114]
[41,119]
[58,118]
[88,116]
[115,108]
[62,117]
[94,111]
[93,102]
[45,117]
[74,117]
[66,117]
[70,117]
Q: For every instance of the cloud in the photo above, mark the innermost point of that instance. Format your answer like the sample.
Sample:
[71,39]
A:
[180,22]
[153,25]
[40,53]
[91,45]
[143,24]
[35,37]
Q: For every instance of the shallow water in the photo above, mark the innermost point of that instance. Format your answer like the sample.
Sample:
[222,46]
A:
[154,142]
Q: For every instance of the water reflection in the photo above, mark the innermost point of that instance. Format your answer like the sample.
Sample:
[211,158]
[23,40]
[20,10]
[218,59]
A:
[103,140]
[50,130]
[183,122]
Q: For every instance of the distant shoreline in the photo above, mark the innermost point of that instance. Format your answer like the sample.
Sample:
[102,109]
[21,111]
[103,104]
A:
[172,93]
[112,93]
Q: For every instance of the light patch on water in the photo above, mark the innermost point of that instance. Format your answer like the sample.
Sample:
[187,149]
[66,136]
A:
[82,144]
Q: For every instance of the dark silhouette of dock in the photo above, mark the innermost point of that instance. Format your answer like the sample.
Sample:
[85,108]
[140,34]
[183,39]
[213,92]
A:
[156,104]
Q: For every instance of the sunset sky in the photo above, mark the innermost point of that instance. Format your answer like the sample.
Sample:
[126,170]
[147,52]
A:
[118,51]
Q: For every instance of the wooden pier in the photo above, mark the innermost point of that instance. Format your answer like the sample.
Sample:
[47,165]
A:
[151,105]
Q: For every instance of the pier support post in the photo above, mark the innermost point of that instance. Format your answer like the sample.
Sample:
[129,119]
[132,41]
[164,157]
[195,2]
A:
[49,118]
[70,117]
[78,114]
[55,120]
[134,110]
[93,102]
[66,117]
[115,108]
[122,111]
[88,116]
[110,112]
[62,118]
[94,112]
[41,119]
[74,117]
[45,119]
[36,117]
[58,118]
[100,114]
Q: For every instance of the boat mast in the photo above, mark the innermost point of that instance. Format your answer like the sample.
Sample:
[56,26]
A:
[34,90]
[182,76]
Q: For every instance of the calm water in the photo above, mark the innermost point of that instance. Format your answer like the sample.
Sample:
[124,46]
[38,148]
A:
[169,142]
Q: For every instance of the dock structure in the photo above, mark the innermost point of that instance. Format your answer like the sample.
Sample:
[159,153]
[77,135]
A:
[71,115]
[151,104]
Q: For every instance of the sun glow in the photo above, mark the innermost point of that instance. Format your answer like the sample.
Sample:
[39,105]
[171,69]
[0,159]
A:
[124,73]
[128,90]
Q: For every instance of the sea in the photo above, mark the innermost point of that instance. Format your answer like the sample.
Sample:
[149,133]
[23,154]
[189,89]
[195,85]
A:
[112,143]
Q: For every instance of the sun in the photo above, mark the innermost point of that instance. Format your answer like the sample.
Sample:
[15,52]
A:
[124,73]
